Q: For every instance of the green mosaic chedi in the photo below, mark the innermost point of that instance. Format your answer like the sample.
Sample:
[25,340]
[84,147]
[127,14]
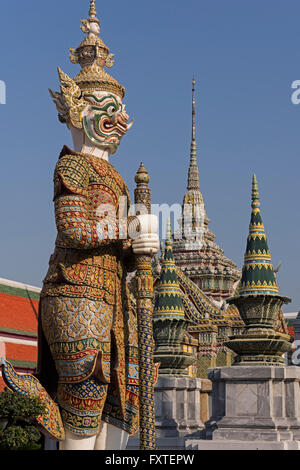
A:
[258,275]
[168,301]
[259,302]
[170,324]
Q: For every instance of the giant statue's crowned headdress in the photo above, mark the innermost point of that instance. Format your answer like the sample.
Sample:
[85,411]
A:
[76,96]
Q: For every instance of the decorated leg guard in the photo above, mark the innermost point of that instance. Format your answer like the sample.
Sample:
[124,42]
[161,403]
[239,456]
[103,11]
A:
[81,406]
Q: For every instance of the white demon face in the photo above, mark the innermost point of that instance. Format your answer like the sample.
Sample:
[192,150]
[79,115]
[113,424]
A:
[105,120]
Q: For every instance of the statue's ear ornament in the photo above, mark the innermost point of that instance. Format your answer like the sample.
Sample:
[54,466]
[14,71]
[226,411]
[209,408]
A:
[63,111]
[110,61]
[70,98]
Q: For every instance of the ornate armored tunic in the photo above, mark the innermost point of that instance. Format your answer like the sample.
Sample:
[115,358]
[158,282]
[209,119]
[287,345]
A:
[85,310]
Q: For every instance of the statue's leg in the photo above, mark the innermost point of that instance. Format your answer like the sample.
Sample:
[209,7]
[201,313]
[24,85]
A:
[111,438]
[78,332]
[116,438]
[100,442]
[73,442]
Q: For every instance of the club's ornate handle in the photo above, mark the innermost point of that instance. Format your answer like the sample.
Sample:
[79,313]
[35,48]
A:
[144,301]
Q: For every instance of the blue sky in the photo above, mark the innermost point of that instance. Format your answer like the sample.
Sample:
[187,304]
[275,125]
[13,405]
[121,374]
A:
[244,55]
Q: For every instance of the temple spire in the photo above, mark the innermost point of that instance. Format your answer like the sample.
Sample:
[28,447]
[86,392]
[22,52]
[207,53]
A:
[194,111]
[193,176]
[255,195]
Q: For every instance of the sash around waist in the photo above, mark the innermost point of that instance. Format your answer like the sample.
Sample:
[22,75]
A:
[85,268]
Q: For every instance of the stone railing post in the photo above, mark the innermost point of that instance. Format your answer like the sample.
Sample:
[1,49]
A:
[206,390]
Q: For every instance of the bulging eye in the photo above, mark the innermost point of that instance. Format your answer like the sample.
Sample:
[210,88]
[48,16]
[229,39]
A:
[111,110]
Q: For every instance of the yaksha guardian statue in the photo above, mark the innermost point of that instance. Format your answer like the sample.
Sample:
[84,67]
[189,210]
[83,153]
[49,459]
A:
[88,346]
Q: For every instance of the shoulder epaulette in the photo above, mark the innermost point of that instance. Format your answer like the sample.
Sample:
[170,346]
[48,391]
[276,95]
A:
[73,172]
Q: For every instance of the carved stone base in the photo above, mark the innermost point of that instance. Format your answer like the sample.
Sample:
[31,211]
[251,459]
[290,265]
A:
[241,445]
[255,404]
[177,412]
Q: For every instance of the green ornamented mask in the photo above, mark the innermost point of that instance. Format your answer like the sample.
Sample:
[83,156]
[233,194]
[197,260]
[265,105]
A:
[105,120]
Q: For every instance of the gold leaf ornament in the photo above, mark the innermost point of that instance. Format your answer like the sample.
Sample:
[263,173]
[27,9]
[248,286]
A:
[73,98]
[110,60]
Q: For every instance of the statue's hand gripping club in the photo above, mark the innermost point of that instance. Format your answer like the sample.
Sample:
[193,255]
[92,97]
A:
[143,230]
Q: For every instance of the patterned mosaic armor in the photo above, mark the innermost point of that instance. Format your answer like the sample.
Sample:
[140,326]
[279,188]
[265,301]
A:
[85,313]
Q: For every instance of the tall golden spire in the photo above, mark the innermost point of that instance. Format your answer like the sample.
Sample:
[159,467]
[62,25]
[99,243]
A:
[194,111]
[193,177]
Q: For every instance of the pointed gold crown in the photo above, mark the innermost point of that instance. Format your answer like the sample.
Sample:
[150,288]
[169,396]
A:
[93,56]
